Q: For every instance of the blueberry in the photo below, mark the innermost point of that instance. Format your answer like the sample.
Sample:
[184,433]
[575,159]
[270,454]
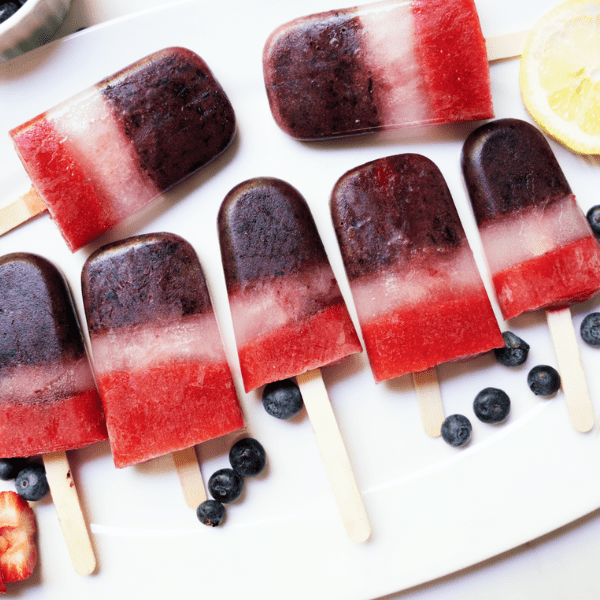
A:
[593,217]
[247,457]
[543,380]
[31,482]
[282,399]
[590,329]
[515,350]
[10,467]
[456,430]
[491,405]
[211,513]
[225,485]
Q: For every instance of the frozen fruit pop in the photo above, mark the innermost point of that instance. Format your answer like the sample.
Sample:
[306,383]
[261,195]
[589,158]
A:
[102,155]
[287,309]
[417,290]
[539,247]
[378,66]
[289,317]
[418,294]
[538,244]
[48,399]
[157,351]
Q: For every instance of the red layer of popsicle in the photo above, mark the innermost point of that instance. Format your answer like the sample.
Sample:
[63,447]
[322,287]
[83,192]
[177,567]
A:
[555,279]
[441,27]
[427,334]
[263,361]
[201,397]
[72,422]
[72,199]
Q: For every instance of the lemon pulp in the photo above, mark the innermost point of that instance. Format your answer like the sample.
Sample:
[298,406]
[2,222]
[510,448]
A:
[560,74]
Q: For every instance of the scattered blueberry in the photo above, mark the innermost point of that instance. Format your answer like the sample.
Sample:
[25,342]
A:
[31,482]
[491,405]
[211,513]
[456,430]
[247,457]
[590,329]
[10,467]
[543,380]
[515,350]
[282,399]
[225,485]
[593,217]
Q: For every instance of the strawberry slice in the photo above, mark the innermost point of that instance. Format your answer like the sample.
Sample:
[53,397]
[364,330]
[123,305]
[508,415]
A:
[18,553]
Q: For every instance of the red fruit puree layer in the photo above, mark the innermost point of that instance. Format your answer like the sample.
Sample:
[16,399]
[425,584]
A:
[430,333]
[458,83]
[51,425]
[166,408]
[324,338]
[64,187]
[556,279]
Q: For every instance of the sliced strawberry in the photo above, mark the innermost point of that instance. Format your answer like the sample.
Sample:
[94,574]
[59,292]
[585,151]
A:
[18,553]
[2,586]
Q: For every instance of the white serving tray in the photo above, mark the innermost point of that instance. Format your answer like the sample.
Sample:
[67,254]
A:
[433,509]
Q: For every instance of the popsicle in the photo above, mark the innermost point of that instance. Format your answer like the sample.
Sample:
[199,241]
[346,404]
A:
[99,157]
[157,352]
[289,317]
[48,399]
[287,309]
[386,65]
[539,247]
[418,293]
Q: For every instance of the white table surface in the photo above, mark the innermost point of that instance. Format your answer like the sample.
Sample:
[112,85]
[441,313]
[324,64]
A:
[562,565]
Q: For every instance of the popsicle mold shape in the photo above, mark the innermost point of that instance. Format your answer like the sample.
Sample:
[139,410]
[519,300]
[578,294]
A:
[378,66]
[418,293]
[99,157]
[48,398]
[157,352]
[288,312]
[538,244]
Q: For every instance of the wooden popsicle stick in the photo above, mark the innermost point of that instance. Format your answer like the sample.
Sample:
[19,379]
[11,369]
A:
[572,375]
[70,515]
[190,476]
[506,45]
[19,211]
[430,401]
[334,454]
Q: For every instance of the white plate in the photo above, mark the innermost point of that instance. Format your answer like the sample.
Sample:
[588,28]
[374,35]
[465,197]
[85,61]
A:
[433,509]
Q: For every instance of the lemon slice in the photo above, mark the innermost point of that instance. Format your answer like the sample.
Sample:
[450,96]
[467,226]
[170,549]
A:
[560,74]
